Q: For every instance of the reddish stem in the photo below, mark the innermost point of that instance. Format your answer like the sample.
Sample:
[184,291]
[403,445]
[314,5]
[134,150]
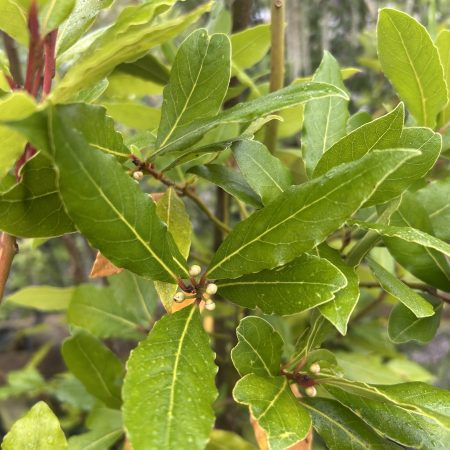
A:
[34,48]
[49,71]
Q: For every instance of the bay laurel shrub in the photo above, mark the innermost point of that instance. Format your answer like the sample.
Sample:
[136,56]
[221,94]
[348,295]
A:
[286,291]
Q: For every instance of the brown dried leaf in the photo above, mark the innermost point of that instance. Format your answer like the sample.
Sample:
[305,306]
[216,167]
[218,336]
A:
[102,267]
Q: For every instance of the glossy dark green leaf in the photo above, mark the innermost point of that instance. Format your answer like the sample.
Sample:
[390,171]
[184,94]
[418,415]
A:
[198,83]
[404,326]
[264,172]
[80,20]
[324,120]
[381,133]
[412,414]
[274,406]
[340,428]
[229,180]
[97,367]
[411,62]
[109,208]
[259,348]
[38,429]
[404,294]
[287,97]
[304,283]
[169,386]
[32,207]
[339,309]
[435,198]
[132,35]
[146,68]
[284,229]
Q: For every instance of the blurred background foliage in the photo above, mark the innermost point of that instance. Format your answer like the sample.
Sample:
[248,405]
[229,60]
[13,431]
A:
[31,367]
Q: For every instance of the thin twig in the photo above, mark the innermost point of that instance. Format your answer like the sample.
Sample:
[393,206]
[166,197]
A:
[369,307]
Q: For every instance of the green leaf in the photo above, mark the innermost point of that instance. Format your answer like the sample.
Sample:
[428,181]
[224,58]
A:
[411,62]
[250,46]
[264,172]
[391,284]
[340,308]
[133,114]
[198,83]
[435,198]
[97,367]
[306,282]
[109,208]
[83,16]
[42,298]
[287,222]
[147,68]
[247,112]
[32,207]
[38,429]
[13,21]
[259,348]
[169,385]
[229,180]
[404,326]
[341,428]
[443,46]
[381,133]
[275,408]
[412,414]
[171,210]
[221,440]
[53,14]
[119,311]
[324,120]
[15,106]
[429,144]
[132,35]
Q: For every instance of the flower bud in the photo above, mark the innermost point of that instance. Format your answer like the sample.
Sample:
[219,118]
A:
[195,270]
[138,175]
[314,368]
[179,297]
[211,289]
[210,305]
[311,391]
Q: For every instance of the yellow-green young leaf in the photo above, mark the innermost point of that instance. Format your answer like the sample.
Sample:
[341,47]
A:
[53,14]
[404,326]
[264,172]
[42,298]
[411,62]
[134,114]
[221,439]
[198,82]
[171,210]
[13,21]
[249,46]
[39,429]
[230,180]
[15,106]
[304,283]
[274,406]
[132,35]
[340,308]
[97,367]
[32,207]
[303,216]
[249,111]
[83,16]
[340,428]
[435,198]
[390,283]
[443,45]
[169,386]
[259,348]
[325,120]
[380,133]
[413,414]
[109,208]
